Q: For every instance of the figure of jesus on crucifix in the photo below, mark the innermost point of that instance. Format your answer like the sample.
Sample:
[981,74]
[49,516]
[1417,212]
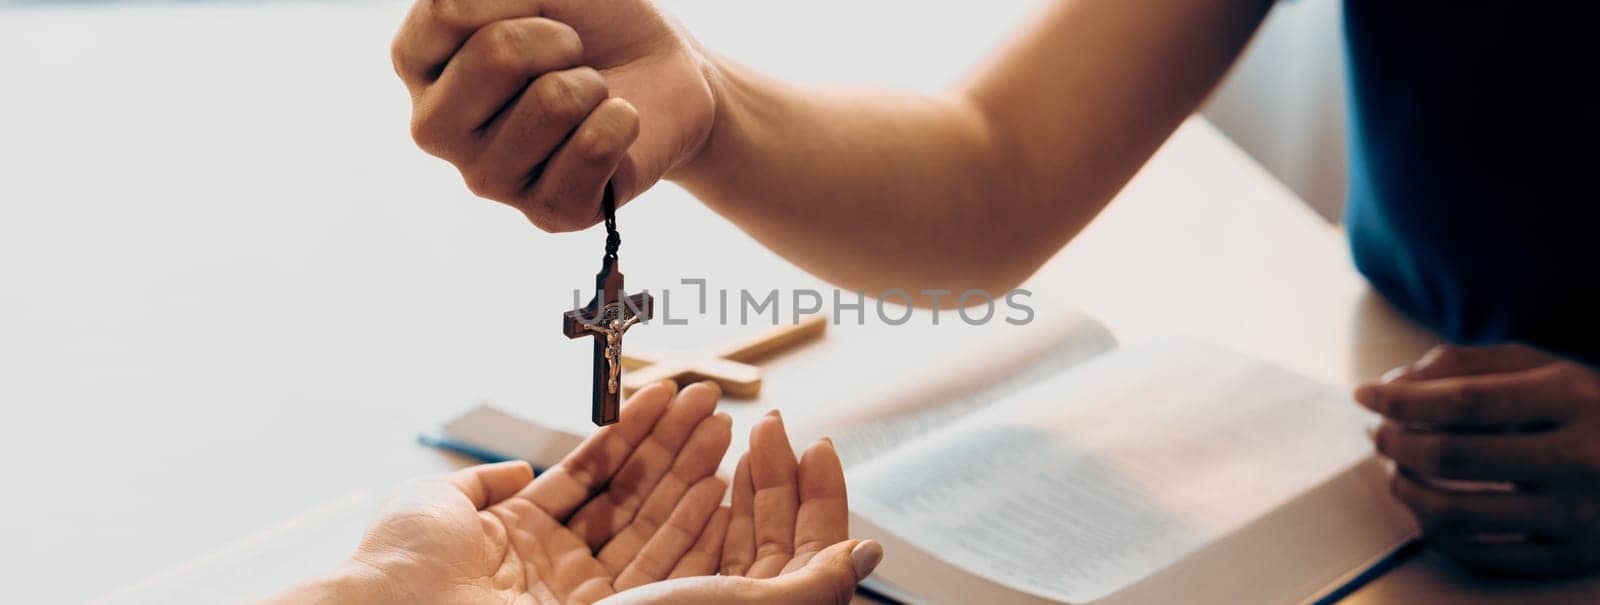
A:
[611,325]
[605,319]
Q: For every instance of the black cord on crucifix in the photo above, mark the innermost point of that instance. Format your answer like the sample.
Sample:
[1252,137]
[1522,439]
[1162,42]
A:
[607,316]
[608,206]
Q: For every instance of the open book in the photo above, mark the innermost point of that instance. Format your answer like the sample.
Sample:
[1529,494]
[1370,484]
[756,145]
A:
[1062,468]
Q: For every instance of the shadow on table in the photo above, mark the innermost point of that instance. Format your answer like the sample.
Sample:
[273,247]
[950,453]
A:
[1433,578]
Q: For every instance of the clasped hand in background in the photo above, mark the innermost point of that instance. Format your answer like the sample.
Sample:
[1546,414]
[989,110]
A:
[1497,452]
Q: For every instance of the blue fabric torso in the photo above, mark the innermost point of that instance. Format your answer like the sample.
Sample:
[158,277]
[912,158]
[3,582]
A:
[1473,133]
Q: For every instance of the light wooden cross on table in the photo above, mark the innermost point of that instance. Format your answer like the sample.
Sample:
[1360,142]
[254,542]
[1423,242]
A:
[730,367]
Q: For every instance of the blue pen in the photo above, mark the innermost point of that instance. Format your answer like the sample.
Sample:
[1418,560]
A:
[456,446]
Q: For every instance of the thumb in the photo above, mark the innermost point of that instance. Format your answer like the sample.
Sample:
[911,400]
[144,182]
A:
[488,484]
[830,577]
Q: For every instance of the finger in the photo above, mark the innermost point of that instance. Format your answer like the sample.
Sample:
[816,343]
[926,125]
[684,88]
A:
[824,514]
[739,549]
[1525,398]
[698,461]
[831,576]
[603,517]
[1447,361]
[592,590]
[580,475]
[532,128]
[566,195]
[1509,457]
[434,29]
[487,484]
[1443,512]
[675,537]
[777,499]
[706,554]
[487,75]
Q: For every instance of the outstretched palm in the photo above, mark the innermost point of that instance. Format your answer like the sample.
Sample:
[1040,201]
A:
[783,541]
[623,510]
[784,511]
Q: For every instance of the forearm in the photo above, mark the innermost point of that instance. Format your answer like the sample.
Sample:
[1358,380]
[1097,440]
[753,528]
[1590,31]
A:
[978,187]
[867,189]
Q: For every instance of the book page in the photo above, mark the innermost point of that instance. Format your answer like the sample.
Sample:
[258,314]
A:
[869,387]
[1091,481]
[986,372]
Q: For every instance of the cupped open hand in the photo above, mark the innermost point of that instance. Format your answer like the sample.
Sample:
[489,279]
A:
[784,540]
[634,514]
[620,511]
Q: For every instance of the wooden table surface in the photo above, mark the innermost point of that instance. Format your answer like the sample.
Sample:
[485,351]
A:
[233,291]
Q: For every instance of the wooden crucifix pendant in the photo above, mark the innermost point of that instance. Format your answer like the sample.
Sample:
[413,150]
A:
[607,316]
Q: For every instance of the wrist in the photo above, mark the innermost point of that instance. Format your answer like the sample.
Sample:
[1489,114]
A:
[354,583]
[732,87]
